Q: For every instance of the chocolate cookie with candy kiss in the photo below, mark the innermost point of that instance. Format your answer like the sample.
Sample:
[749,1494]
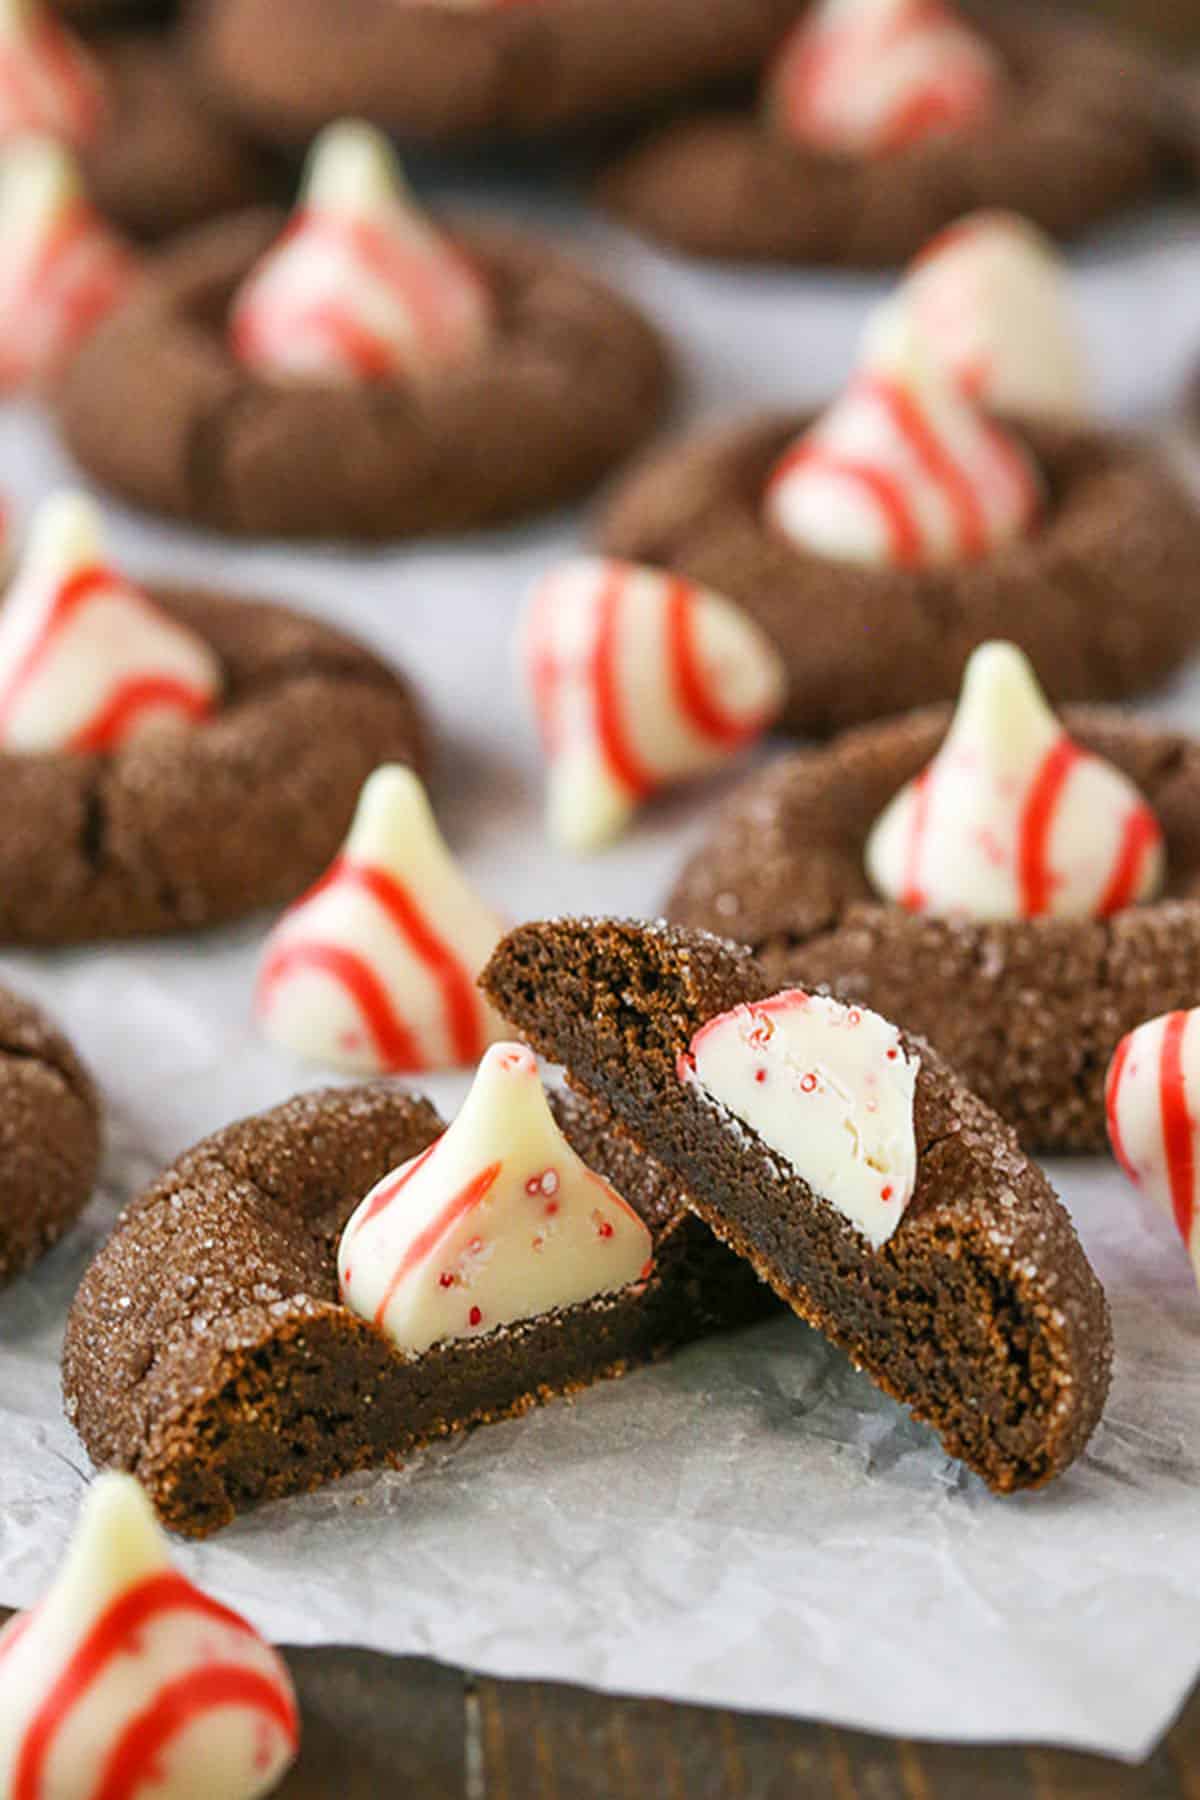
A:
[169,758]
[361,372]
[1021,891]
[453,70]
[154,155]
[881,121]
[370,1280]
[878,545]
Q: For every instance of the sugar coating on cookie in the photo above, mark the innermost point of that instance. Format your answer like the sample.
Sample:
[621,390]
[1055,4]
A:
[499,1220]
[126,1678]
[904,470]
[48,81]
[828,1087]
[87,661]
[362,287]
[990,302]
[62,269]
[1012,819]
[374,970]
[638,679]
[1152,1102]
[871,77]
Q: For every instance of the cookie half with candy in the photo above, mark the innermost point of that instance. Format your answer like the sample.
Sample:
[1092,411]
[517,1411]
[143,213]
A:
[842,1159]
[370,1279]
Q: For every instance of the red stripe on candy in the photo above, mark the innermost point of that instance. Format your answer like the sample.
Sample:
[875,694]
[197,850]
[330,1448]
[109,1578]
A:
[622,758]
[134,697]
[935,460]
[383,1197]
[421,1246]
[912,895]
[1037,823]
[133,1763]
[697,701]
[1178,1126]
[903,529]
[1112,1104]
[108,1638]
[1140,838]
[398,1048]
[395,1046]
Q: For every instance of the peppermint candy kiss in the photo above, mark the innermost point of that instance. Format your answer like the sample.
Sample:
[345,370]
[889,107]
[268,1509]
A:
[1012,820]
[375,969]
[127,1680]
[48,82]
[828,1087]
[872,77]
[361,288]
[61,268]
[499,1220]
[989,301]
[903,471]
[1153,1104]
[638,679]
[87,661]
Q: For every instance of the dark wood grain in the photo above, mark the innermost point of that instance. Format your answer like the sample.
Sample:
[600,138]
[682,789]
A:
[378,1726]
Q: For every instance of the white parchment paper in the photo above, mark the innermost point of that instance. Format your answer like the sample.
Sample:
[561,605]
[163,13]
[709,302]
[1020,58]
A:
[752,1525]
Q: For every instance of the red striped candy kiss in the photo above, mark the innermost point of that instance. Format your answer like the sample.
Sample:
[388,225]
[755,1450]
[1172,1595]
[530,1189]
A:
[87,660]
[48,82]
[375,968]
[126,1676]
[904,471]
[875,77]
[638,679]
[1152,1099]
[497,1221]
[1012,819]
[990,303]
[62,269]
[361,288]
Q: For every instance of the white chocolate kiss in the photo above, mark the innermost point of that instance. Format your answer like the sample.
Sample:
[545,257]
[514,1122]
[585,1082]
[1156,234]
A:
[638,679]
[48,80]
[829,1088]
[61,268]
[1153,1105]
[362,287]
[1011,820]
[904,470]
[375,970]
[87,661]
[125,1666]
[497,1221]
[990,302]
[872,77]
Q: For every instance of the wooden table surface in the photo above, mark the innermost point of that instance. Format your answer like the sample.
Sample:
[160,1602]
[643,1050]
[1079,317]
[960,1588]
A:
[403,1728]
[378,1726]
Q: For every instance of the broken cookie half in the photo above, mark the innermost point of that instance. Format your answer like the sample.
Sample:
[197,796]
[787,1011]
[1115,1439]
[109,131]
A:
[848,1165]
